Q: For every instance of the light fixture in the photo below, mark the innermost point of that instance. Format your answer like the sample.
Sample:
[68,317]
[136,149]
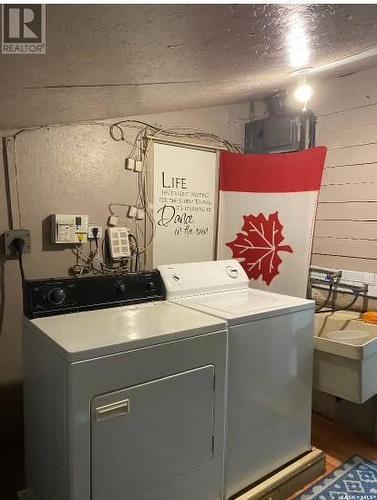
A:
[303,93]
[304,90]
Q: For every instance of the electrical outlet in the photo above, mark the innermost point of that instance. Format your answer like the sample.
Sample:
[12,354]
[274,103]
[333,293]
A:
[11,235]
[90,232]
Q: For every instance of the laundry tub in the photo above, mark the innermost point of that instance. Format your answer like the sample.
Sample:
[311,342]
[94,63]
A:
[345,356]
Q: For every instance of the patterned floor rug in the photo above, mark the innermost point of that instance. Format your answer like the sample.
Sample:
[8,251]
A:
[356,479]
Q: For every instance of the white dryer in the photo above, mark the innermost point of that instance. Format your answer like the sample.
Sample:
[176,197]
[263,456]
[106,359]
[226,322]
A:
[124,392]
[269,365]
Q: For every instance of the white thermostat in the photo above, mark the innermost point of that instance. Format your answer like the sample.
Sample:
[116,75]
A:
[69,228]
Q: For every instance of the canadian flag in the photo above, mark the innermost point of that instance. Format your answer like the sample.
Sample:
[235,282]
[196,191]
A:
[267,211]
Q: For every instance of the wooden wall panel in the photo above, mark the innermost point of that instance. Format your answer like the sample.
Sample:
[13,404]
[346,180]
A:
[351,92]
[346,247]
[346,225]
[352,155]
[349,263]
[349,118]
[348,135]
[355,230]
[350,174]
[361,191]
[347,211]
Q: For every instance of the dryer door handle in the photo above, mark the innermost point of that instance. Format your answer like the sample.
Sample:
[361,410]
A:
[111,410]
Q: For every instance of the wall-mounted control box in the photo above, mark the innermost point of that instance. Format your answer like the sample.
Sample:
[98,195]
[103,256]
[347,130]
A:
[119,243]
[69,229]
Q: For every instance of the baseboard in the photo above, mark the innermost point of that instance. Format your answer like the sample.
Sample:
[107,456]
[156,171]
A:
[290,479]
[281,485]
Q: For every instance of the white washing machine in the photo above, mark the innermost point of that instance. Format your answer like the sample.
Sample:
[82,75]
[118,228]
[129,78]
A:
[124,392]
[269,365]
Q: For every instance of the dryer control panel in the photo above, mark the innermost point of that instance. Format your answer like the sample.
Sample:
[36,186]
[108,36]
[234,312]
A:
[51,297]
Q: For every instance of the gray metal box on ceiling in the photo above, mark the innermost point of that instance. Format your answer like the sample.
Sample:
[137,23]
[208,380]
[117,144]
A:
[274,134]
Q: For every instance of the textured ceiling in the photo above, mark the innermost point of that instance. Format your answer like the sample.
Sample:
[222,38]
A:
[115,60]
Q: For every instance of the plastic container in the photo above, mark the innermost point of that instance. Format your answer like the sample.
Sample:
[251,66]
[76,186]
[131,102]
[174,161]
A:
[370,317]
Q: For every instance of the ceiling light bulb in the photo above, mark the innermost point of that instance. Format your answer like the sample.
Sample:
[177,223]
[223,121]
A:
[303,92]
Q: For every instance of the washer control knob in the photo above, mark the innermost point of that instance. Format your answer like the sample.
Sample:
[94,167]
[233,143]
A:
[56,296]
[232,272]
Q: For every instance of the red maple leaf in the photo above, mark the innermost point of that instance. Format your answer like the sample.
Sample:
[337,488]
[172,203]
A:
[258,245]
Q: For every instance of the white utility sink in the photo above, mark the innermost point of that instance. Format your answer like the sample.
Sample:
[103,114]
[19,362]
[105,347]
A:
[345,356]
[353,337]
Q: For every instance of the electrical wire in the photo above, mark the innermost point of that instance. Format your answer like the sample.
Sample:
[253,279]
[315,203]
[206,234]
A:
[143,139]
[353,301]
[166,131]
[327,300]
[88,263]
[15,137]
[17,183]
[111,205]
[140,148]
[18,244]
[21,264]
[136,250]
[85,262]
[332,290]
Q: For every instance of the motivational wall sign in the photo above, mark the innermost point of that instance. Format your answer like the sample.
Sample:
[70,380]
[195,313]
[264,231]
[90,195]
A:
[184,204]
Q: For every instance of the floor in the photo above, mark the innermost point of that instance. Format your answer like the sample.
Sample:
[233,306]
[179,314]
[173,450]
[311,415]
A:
[339,444]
